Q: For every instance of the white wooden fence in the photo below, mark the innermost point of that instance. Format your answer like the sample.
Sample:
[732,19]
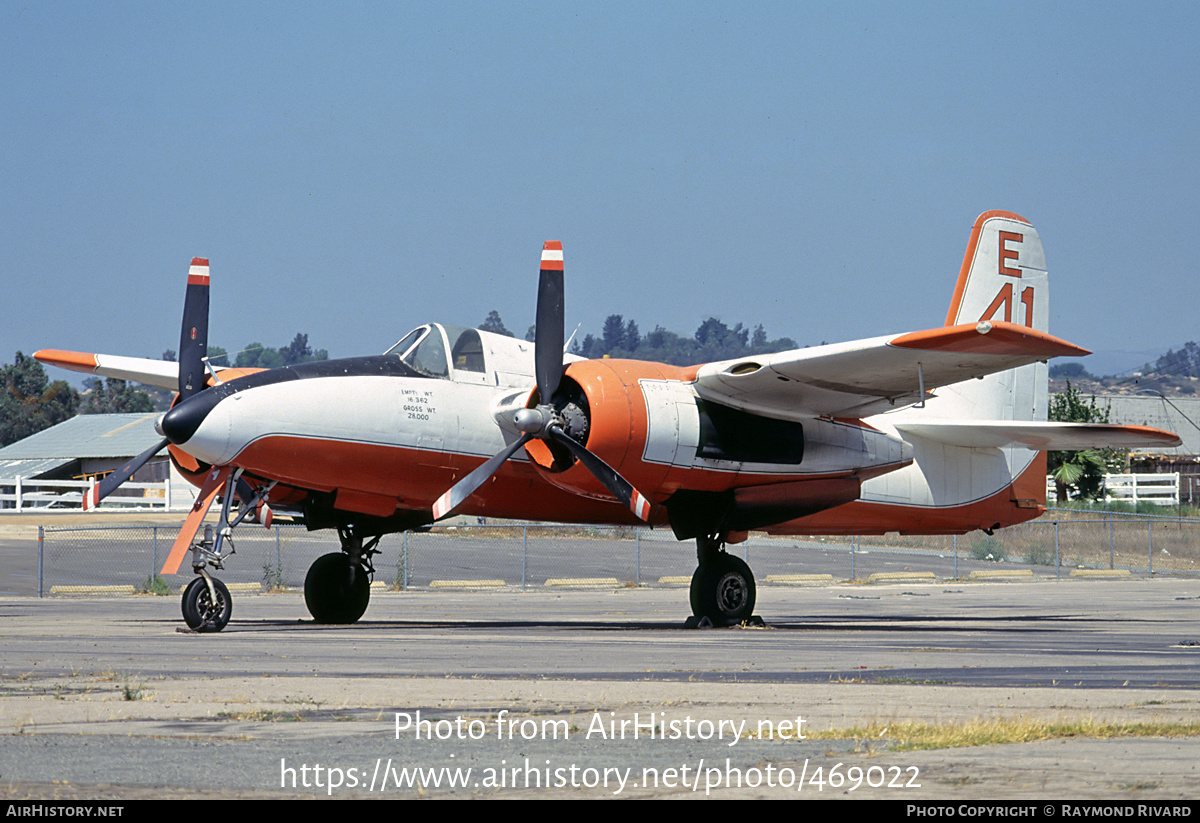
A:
[22,494]
[1159,489]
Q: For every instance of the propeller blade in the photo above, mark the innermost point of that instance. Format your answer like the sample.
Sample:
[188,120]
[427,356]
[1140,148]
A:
[460,491]
[108,485]
[193,346]
[548,334]
[621,488]
[193,338]
[539,422]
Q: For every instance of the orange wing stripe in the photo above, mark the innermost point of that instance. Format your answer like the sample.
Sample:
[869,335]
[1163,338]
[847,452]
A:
[993,337]
[70,360]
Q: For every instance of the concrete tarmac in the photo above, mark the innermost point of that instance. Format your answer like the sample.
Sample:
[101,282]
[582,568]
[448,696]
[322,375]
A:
[603,693]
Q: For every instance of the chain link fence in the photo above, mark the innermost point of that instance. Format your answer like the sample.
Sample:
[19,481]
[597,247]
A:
[523,556]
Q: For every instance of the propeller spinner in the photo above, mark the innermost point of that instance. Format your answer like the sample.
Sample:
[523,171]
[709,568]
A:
[546,420]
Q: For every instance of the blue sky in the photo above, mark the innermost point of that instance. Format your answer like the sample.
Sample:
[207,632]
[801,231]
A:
[354,170]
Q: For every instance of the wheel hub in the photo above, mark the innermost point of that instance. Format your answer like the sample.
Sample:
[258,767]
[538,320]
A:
[731,593]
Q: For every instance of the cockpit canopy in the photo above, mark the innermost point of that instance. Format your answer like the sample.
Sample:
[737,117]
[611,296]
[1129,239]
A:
[425,350]
[466,355]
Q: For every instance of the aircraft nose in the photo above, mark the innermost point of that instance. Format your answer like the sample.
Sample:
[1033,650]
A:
[184,418]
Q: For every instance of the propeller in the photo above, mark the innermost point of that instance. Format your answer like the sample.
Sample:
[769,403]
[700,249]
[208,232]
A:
[556,413]
[193,346]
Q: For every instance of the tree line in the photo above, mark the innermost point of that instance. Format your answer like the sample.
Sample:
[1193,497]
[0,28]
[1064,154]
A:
[622,338]
[1182,363]
[30,402]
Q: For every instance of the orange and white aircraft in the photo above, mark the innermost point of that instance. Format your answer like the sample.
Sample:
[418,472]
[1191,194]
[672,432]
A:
[939,431]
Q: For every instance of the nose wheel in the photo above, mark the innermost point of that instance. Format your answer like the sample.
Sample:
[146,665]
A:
[207,605]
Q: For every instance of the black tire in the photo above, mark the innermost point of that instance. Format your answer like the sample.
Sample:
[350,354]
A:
[335,590]
[199,611]
[723,590]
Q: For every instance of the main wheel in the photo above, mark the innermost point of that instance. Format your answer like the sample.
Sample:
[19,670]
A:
[199,610]
[336,590]
[723,589]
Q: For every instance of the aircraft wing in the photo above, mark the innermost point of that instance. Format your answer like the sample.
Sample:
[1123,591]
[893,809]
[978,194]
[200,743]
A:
[866,377]
[163,374]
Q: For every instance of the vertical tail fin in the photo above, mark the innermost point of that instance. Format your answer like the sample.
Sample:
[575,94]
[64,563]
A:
[1003,277]
[1003,274]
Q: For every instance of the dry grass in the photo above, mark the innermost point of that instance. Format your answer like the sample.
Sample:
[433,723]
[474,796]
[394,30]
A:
[909,736]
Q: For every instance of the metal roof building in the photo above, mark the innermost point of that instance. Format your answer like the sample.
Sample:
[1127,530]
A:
[82,449]
[1178,414]
[83,446]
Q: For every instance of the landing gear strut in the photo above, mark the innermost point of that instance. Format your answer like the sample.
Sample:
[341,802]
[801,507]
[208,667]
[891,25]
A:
[338,585]
[722,591]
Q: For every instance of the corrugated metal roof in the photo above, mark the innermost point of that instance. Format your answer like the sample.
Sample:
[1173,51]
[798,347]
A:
[31,468]
[1177,414]
[88,435]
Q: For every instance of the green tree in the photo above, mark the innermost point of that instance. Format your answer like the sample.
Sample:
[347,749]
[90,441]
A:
[711,332]
[614,333]
[494,324]
[258,356]
[633,337]
[113,396]
[1081,473]
[1069,370]
[298,351]
[29,402]
[712,341]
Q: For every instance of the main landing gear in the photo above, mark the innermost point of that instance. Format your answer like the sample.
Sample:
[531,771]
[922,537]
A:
[722,591]
[338,585]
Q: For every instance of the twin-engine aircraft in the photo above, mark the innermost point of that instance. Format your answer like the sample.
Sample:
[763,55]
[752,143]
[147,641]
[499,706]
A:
[939,431]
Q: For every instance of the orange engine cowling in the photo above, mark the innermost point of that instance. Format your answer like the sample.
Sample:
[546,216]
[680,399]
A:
[607,413]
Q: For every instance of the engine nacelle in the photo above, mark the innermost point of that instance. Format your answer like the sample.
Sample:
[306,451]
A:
[607,412]
[647,421]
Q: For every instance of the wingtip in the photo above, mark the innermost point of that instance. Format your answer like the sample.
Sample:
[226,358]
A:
[70,360]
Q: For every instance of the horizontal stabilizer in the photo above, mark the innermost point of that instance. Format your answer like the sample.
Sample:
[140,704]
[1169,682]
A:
[1035,435]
